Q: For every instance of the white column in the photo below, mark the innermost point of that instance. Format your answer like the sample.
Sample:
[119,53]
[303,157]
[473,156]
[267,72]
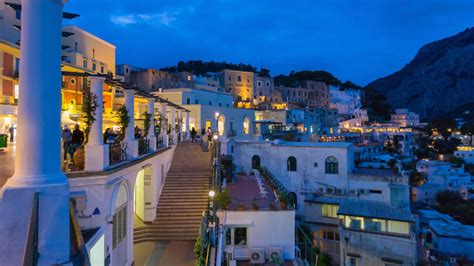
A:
[38,148]
[164,129]
[97,154]
[180,124]
[172,121]
[132,143]
[151,130]
[186,125]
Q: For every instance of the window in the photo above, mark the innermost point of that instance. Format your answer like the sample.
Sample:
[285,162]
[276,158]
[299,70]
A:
[196,101]
[239,78]
[94,66]
[126,70]
[268,84]
[398,227]
[330,235]
[375,224]
[329,210]
[352,261]
[259,83]
[397,195]
[230,78]
[331,165]
[119,230]
[75,47]
[18,14]
[210,103]
[291,164]
[375,191]
[84,62]
[240,236]
[188,101]
[73,81]
[228,236]
[220,104]
[102,68]
[354,222]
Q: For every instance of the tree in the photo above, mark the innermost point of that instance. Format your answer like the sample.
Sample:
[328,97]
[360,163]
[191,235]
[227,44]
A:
[264,72]
[468,129]
[448,197]
[443,125]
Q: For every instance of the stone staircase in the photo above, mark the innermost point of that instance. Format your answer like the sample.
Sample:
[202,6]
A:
[183,199]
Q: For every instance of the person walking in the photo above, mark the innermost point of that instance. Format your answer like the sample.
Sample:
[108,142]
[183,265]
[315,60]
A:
[12,133]
[205,143]
[66,136]
[109,136]
[193,135]
[76,142]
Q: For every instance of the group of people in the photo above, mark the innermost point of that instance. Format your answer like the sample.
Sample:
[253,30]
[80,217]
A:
[75,139]
[71,141]
[206,136]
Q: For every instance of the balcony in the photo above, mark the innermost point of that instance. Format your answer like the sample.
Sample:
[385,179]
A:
[117,152]
[143,146]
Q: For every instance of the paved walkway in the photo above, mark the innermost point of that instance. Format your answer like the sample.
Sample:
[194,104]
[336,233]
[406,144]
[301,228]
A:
[164,253]
[7,163]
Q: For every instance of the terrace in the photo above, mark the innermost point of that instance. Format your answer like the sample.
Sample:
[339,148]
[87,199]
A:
[252,192]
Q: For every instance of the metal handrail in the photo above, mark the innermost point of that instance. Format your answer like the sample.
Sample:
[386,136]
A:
[273,180]
[30,255]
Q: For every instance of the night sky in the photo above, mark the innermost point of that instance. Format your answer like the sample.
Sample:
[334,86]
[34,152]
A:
[355,40]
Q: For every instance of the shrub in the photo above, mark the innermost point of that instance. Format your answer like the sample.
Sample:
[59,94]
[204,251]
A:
[223,199]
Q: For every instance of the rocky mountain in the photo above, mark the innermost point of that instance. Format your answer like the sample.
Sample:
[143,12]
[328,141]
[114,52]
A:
[439,79]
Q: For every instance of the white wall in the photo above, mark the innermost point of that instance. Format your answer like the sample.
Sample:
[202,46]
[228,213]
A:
[265,229]
[101,193]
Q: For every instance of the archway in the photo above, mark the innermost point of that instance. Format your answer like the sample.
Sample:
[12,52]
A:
[255,162]
[119,226]
[221,125]
[142,192]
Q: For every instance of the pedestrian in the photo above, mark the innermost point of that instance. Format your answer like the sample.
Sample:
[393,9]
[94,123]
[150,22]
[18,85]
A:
[209,133]
[76,142]
[109,136]
[205,143]
[193,135]
[138,132]
[66,136]
[12,133]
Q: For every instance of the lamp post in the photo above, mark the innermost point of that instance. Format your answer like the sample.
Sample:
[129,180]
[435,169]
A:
[212,224]
[216,116]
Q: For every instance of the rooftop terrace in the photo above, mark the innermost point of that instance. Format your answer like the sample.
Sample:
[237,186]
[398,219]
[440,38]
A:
[247,194]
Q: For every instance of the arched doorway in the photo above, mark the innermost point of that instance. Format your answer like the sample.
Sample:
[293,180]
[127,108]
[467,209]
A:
[142,192]
[221,125]
[119,226]
[292,200]
[255,162]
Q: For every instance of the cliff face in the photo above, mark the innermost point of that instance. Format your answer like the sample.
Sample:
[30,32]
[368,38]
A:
[439,78]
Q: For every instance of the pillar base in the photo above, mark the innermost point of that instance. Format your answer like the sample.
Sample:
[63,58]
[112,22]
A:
[152,143]
[132,149]
[97,157]
[165,140]
[53,225]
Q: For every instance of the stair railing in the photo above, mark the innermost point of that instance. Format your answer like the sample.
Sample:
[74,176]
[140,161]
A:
[30,255]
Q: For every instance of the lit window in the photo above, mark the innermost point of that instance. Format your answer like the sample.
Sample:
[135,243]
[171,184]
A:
[329,210]
[375,225]
[73,81]
[354,222]
[398,227]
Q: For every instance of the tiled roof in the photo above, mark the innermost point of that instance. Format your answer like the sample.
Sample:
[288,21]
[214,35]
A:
[452,229]
[374,209]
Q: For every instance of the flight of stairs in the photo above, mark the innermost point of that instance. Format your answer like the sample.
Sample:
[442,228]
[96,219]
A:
[183,199]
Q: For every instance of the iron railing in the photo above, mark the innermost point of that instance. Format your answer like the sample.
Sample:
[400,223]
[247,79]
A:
[304,244]
[30,256]
[143,146]
[160,144]
[281,189]
[117,152]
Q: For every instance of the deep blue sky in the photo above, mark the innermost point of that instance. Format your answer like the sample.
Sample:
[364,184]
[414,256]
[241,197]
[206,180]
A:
[355,40]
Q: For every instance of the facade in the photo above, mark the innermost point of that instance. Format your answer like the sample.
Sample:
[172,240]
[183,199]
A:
[150,79]
[441,176]
[318,94]
[466,153]
[444,239]
[374,233]
[9,84]
[83,50]
[263,89]
[240,84]
[346,101]
[405,118]
[214,110]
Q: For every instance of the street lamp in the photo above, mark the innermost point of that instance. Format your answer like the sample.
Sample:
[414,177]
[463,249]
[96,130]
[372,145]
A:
[216,116]
[212,223]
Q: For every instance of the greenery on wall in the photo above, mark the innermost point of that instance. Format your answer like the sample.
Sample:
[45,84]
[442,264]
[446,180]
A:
[123,120]
[89,108]
[146,123]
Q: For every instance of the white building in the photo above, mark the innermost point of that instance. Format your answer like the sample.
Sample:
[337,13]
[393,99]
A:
[466,153]
[441,176]
[405,118]
[347,101]
[213,110]
[444,239]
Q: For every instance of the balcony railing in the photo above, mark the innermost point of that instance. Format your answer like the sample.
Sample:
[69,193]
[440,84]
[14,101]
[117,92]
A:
[143,146]
[117,152]
[171,140]
[160,144]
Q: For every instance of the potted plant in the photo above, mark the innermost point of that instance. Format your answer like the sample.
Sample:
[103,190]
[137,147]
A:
[223,199]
